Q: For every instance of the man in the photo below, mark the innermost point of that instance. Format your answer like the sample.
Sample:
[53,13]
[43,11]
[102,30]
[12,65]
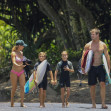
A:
[64,66]
[97,71]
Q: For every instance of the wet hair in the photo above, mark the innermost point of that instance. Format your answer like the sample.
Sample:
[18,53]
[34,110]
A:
[64,52]
[15,48]
[96,30]
[42,53]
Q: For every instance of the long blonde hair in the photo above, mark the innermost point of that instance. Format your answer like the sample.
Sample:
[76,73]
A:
[15,48]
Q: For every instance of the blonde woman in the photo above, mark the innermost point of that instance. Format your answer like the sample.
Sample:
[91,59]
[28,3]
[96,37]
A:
[17,71]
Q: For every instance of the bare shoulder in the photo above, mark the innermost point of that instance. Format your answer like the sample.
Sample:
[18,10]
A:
[87,46]
[13,53]
[103,44]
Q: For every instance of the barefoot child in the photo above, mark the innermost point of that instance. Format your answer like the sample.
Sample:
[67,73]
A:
[64,66]
[43,85]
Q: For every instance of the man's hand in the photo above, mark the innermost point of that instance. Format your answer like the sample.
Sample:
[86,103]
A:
[83,70]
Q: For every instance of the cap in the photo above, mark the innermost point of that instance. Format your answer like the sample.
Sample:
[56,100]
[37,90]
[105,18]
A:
[21,42]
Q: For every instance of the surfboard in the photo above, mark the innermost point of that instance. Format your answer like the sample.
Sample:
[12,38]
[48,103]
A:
[88,58]
[30,84]
[108,79]
[41,69]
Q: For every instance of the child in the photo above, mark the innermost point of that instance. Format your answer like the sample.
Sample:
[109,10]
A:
[43,85]
[64,66]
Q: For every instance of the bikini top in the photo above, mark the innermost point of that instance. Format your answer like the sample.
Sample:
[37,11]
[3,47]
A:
[18,59]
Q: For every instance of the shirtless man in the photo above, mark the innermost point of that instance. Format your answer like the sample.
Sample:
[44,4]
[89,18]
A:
[97,71]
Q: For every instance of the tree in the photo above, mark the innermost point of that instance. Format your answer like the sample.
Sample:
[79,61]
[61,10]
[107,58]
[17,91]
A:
[72,18]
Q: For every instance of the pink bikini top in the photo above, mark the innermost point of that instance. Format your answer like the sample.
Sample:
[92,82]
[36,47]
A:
[18,59]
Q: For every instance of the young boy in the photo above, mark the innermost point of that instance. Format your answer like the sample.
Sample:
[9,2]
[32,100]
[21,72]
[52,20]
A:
[64,66]
[43,85]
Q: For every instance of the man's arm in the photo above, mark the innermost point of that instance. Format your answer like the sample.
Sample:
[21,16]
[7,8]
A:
[107,56]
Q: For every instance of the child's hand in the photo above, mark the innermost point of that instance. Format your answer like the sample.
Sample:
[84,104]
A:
[55,82]
[66,69]
[52,82]
[34,75]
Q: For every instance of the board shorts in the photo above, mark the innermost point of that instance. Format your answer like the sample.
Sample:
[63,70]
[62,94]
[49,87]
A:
[96,73]
[43,85]
[64,82]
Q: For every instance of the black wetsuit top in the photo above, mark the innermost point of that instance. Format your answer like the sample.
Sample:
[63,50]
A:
[64,75]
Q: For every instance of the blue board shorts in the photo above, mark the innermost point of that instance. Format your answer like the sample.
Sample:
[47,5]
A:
[96,73]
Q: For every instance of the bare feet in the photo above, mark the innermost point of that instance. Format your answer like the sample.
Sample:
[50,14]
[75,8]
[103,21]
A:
[41,106]
[104,107]
[22,105]
[94,106]
[44,105]
[67,104]
[12,105]
[63,105]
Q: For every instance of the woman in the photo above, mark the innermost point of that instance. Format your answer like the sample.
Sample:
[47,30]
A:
[17,71]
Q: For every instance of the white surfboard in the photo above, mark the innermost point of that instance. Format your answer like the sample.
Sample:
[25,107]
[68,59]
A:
[88,62]
[106,69]
[41,69]
[30,84]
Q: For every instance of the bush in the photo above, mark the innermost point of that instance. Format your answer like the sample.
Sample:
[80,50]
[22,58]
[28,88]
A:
[54,53]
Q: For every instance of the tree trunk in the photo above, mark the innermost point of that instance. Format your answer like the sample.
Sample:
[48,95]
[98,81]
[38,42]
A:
[54,17]
[83,12]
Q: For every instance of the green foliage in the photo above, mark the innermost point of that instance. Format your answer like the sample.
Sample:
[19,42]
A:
[54,53]
[8,36]
[75,55]
[107,42]
[52,50]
